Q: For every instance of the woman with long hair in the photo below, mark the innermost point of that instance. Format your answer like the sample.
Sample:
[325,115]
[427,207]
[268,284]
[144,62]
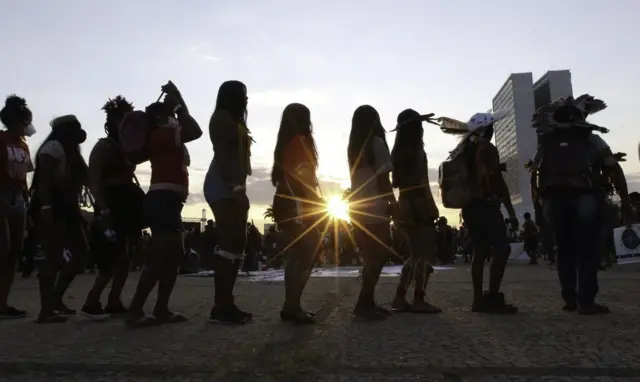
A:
[172,128]
[15,164]
[118,205]
[58,182]
[297,205]
[417,211]
[225,192]
[371,203]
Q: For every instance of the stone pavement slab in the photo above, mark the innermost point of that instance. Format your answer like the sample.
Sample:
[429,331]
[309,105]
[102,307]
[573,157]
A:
[541,343]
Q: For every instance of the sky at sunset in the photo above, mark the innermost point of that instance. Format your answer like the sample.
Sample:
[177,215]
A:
[447,57]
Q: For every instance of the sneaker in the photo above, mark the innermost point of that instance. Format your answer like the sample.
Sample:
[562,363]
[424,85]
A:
[227,316]
[94,313]
[64,310]
[11,312]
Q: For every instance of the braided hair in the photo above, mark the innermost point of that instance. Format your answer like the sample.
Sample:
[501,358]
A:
[115,109]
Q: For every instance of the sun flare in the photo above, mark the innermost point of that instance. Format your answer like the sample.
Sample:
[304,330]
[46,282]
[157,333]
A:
[338,208]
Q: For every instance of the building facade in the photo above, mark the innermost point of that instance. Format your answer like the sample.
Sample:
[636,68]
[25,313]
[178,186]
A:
[515,139]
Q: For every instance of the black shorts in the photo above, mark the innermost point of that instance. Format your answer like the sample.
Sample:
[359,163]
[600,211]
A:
[126,205]
[485,224]
[163,211]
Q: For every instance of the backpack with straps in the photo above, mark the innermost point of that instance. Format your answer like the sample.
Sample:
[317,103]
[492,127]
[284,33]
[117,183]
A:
[456,178]
[566,161]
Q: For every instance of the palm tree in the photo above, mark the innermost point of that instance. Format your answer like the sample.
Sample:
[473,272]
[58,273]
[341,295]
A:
[268,214]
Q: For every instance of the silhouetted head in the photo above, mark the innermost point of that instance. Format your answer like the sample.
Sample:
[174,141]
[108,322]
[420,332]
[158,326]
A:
[16,116]
[409,131]
[296,120]
[68,130]
[527,215]
[161,114]
[232,98]
[365,125]
[115,109]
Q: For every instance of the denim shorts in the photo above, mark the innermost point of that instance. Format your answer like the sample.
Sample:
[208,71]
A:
[163,210]
[485,223]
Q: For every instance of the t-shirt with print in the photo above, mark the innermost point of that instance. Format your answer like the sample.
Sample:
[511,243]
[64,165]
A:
[169,159]
[366,205]
[16,162]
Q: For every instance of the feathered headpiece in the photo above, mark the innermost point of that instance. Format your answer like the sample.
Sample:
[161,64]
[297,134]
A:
[568,112]
[476,122]
[117,107]
[416,118]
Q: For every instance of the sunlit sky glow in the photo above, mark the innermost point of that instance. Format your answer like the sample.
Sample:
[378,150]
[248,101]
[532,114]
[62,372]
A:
[448,57]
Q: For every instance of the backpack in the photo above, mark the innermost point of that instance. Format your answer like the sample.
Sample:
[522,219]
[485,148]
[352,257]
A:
[566,161]
[456,178]
[134,136]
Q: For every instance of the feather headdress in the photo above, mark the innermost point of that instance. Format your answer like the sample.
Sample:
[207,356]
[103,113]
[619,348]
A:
[476,122]
[429,118]
[568,112]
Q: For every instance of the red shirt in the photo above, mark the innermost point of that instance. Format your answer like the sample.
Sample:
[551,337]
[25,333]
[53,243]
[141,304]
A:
[15,161]
[169,160]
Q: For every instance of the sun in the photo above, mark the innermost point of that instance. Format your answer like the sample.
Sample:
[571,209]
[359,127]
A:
[338,208]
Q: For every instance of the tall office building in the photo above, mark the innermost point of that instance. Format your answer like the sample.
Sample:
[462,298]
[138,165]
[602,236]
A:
[552,85]
[515,139]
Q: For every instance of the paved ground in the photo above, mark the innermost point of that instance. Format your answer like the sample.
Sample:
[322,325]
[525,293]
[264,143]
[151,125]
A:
[541,343]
